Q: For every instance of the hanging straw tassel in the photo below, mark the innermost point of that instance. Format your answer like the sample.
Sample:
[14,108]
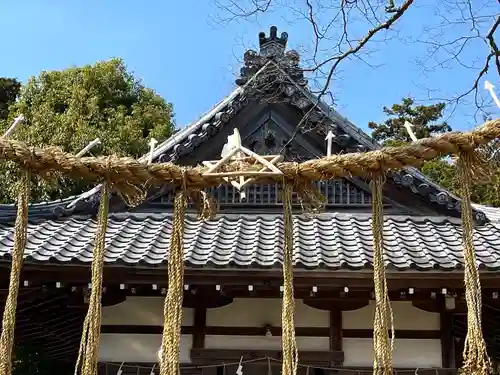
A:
[169,351]
[476,360]
[9,315]
[290,353]
[382,344]
[88,355]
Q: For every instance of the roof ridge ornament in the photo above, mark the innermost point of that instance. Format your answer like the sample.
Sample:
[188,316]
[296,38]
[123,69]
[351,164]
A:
[234,151]
[273,45]
[271,48]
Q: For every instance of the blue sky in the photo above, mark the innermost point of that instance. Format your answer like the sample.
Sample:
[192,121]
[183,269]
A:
[190,59]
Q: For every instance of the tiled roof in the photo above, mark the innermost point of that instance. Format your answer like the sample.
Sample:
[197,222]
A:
[38,209]
[201,131]
[491,213]
[325,241]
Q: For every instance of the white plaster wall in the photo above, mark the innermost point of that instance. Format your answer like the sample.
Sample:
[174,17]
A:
[147,311]
[263,343]
[257,312]
[138,348]
[406,316]
[407,352]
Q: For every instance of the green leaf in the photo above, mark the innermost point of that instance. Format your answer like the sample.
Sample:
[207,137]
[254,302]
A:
[70,108]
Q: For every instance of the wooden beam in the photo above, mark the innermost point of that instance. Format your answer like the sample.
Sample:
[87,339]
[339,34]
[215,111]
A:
[323,297]
[48,273]
[276,331]
[354,301]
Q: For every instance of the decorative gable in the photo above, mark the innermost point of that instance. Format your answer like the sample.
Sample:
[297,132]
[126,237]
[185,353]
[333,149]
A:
[271,101]
[268,133]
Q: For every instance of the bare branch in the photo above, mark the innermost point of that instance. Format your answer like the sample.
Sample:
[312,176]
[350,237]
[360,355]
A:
[493,45]
[454,34]
[396,14]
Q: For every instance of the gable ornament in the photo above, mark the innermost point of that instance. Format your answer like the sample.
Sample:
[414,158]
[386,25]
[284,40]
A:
[234,152]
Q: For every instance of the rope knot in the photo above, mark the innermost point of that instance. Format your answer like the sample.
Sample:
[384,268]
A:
[184,179]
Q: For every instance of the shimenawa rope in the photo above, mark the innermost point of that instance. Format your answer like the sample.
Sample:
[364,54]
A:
[289,344]
[9,315]
[476,360]
[88,355]
[129,175]
[169,351]
[117,170]
[383,319]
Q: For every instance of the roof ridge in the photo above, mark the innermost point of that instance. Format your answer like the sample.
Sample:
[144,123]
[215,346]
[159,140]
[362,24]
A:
[187,138]
[182,134]
[358,133]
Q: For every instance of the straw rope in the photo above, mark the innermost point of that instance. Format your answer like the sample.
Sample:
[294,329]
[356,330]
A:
[9,315]
[172,311]
[88,354]
[383,319]
[129,177]
[117,170]
[289,344]
[476,360]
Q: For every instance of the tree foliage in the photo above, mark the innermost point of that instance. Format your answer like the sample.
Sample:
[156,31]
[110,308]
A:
[9,92]
[422,117]
[70,108]
[442,171]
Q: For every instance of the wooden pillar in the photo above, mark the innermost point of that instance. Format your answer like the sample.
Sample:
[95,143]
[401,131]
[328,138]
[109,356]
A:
[200,323]
[335,336]
[336,330]
[447,355]
[199,331]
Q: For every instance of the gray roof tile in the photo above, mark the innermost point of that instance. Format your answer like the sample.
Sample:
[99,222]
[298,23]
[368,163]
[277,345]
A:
[328,240]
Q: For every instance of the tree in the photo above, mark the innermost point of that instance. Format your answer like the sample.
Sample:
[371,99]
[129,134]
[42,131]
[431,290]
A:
[442,171]
[452,37]
[9,92]
[422,117]
[70,108]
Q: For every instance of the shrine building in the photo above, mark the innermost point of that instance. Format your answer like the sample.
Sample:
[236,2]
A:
[233,277]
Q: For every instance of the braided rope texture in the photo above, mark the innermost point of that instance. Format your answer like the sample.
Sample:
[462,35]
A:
[172,312]
[383,319]
[476,360]
[289,344]
[88,355]
[9,315]
[127,174]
